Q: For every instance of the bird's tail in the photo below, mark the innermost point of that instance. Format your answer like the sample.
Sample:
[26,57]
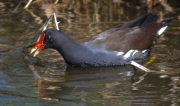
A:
[165,25]
[166,22]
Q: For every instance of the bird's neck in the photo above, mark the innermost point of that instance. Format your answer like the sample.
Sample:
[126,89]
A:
[69,49]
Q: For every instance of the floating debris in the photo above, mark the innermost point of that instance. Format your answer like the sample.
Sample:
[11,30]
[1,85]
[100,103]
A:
[55,21]
[29,2]
[139,66]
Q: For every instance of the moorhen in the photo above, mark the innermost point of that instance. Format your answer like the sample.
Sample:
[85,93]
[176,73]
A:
[117,46]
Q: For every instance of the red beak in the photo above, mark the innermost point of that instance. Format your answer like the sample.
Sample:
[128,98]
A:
[39,45]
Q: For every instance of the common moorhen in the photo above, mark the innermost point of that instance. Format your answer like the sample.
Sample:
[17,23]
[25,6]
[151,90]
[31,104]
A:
[117,46]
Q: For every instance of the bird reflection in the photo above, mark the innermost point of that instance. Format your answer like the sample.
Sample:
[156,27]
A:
[76,79]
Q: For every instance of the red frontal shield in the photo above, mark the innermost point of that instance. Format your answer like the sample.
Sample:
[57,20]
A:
[39,45]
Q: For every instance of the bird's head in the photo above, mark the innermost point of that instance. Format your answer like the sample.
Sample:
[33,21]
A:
[44,41]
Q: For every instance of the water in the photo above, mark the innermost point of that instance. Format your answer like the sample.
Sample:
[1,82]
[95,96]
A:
[63,85]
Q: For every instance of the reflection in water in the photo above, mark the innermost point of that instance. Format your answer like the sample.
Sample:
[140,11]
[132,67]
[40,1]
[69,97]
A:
[107,85]
[76,79]
[83,20]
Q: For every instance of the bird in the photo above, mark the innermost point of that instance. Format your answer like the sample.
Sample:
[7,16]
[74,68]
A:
[132,41]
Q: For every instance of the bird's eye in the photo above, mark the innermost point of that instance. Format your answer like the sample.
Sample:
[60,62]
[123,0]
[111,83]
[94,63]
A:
[49,37]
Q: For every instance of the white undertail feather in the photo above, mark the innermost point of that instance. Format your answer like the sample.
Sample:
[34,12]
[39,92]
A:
[162,30]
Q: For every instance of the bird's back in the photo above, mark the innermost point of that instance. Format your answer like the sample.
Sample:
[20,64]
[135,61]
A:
[134,35]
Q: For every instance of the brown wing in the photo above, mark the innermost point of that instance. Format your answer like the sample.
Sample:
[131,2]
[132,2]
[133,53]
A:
[129,38]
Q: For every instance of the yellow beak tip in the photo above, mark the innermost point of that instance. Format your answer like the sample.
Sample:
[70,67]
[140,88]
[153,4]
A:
[32,50]
[36,53]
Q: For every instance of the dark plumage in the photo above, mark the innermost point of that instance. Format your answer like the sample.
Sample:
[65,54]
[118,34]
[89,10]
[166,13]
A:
[117,46]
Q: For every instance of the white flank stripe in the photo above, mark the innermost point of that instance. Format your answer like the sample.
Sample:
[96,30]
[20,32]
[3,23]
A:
[144,51]
[119,53]
[162,30]
[135,51]
[128,54]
